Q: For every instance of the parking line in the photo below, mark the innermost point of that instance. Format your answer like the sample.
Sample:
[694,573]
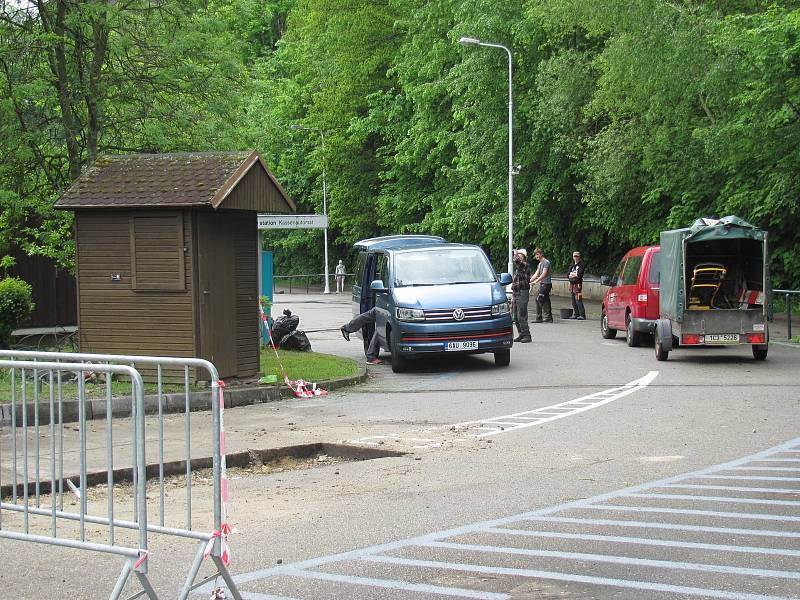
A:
[605,581]
[642,541]
[714,499]
[733,488]
[616,560]
[384,552]
[394,584]
[668,526]
[691,511]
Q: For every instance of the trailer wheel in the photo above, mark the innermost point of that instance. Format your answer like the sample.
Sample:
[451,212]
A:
[661,353]
[760,351]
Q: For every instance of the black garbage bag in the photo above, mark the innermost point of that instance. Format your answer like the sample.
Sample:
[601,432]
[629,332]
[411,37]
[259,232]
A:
[283,326]
[296,340]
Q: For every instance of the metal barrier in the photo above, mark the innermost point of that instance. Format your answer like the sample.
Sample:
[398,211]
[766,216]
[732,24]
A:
[307,281]
[788,294]
[21,492]
[211,544]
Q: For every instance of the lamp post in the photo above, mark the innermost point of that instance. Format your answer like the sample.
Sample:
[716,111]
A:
[321,133]
[468,41]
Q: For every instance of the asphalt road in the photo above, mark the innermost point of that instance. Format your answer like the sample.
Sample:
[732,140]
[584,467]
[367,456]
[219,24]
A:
[585,469]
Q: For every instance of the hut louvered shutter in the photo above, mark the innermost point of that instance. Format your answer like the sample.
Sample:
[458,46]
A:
[157,261]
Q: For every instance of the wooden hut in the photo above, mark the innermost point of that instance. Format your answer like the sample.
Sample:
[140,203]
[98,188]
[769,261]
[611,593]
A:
[167,255]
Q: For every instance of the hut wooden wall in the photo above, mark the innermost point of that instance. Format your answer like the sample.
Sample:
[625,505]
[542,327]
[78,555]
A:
[114,317]
[246,277]
[256,192]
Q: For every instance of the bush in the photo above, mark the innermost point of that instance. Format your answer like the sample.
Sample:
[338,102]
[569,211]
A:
[16,305]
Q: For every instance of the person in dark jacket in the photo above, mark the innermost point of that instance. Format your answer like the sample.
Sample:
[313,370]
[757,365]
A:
[576,287]
[520,294]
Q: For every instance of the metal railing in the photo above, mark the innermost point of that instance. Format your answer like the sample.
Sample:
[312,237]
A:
[309,282]
[788,296]
[26,400]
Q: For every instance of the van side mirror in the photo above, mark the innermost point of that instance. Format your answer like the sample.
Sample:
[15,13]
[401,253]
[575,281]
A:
[605,280]
[504,278]
[377,286]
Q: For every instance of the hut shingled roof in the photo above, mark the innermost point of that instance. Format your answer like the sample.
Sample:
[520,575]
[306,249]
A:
[162,180]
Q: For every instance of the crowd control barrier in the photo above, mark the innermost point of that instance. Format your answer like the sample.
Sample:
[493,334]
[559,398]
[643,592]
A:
[43,385]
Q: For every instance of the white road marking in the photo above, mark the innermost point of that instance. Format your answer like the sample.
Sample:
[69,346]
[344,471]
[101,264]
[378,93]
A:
[386,553]
[517,421]
[612,559]
[643,541]
[501,424]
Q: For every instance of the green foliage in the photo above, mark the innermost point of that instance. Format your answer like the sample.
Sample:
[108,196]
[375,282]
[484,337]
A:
[630,116]
[16,305]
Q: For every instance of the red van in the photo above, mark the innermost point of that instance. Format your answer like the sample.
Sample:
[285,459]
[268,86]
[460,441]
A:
[631,301]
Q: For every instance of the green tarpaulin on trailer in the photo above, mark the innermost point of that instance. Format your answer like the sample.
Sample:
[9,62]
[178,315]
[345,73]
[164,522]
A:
[673,288]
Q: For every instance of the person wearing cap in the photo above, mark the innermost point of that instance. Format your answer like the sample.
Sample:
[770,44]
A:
[520,294]
[576,287]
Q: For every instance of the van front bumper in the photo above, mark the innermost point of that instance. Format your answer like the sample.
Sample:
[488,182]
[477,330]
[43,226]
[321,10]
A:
[421,338]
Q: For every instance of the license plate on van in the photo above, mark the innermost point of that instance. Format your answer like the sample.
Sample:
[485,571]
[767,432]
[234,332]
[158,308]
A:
[449,346]
[722,338]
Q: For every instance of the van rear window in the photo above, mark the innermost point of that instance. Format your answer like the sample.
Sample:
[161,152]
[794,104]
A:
[655,268]
[631,273]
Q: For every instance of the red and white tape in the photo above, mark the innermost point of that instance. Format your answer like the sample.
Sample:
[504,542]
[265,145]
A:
[301,388]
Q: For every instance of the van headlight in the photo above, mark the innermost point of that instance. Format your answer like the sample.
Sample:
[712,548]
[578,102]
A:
[500,309]
[410,314]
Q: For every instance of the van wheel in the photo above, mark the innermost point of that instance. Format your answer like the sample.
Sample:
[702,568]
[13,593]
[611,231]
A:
[502,358]
[661,353]
[760,351]
[634,338]
[399,362]
[607,332]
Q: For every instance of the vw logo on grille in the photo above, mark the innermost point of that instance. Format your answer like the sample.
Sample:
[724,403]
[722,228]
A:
[458,314]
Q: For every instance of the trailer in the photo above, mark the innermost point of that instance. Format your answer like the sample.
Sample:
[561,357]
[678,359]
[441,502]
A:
[714,287]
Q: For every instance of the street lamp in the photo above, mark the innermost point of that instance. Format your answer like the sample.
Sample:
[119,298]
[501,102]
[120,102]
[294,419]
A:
[321,133]
[468,41]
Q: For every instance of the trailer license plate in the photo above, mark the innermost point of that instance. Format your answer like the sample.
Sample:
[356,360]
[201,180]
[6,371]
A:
[461,346]
[722,338]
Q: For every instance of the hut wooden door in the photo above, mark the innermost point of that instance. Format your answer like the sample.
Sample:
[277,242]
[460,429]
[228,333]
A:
[217,291]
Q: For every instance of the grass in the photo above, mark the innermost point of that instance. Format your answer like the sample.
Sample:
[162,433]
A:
[69,388]
[309,366]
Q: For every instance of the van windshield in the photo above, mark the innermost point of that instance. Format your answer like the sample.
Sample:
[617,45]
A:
[442,267]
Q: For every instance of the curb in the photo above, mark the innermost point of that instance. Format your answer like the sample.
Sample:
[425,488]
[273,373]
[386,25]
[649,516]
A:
[172,404]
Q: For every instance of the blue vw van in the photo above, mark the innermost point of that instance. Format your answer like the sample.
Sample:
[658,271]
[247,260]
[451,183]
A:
[432,297]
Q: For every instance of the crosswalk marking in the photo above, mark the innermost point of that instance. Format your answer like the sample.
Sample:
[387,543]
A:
[563,540]
[643,541]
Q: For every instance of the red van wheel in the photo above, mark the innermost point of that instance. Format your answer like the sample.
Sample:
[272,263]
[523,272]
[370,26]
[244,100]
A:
[607,332]
[634,338]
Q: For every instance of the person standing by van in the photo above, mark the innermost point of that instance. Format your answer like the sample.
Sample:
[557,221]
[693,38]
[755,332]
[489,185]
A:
[576,287]
[544,311]
[520,294]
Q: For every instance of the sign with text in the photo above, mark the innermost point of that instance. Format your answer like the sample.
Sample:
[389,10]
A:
[292,221]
